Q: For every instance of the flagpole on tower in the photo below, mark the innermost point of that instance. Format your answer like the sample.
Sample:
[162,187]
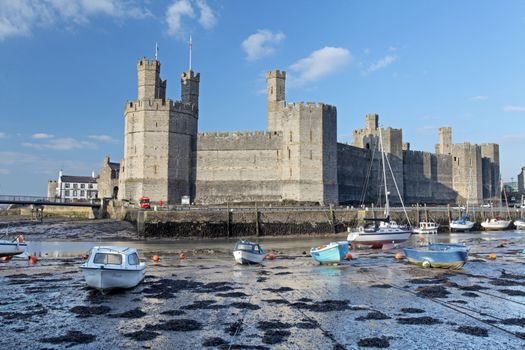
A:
[156,50]
[190,51]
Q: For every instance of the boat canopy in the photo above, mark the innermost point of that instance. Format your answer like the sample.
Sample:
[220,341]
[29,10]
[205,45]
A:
[248,247]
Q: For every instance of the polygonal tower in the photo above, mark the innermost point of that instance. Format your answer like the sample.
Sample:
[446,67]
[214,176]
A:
[275,82]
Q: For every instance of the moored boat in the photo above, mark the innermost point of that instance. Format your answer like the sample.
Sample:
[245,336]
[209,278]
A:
[113,267]
[331,253]
[426,227]
[247,252]
[376,235]
[495,224]
[520,224]
[462,224]
[449,256]
[12,247]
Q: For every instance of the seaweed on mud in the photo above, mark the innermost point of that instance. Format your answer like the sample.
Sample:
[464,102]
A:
[283,273]
[472,288]
[305,300]
[323,306]
[338,347]
[428,280]
[234,328]
[373,315]
[374,342]
[23,315]
[173,312]
[261,279]
[382,286]
[72,337]
[177,325]
[476,331]
[490,321]
[19,275]
[520,334]
[38,280]
[307,324]
[142,335]
[433,292]
[511,276]
[412,310]
[88,311]
[204,305]
[273,324]
[512,292]
[244,306]
[476,260]
[263,272]
[232,295]
[424,320]
[276,301]
[214,342]
[275,336]
[470,295]
[514,322]
[505,283]
[134,313]
[459,301]
[279,290]
[166,288]
[279,267]
[358,308]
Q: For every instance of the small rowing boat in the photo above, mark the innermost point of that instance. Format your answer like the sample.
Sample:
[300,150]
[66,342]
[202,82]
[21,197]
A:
[247,252]
[443,255]
[332,253]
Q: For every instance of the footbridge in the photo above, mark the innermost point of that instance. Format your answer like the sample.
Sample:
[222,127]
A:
[40,201]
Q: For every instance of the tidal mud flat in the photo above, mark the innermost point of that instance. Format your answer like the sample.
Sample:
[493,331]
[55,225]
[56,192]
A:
[206,301]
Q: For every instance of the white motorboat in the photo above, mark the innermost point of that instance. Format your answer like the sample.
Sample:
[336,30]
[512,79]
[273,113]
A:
[247,252]
[12,247]
[426,227]
[462,224]
[520,224]
[495,224]
[384,230]
[113,267]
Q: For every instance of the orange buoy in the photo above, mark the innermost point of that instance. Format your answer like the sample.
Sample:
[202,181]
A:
[271,256]
[85,256]
[156,258]
[33,259]
[399,256]
[492,256]
[182,256]
[348,256]
[6,258]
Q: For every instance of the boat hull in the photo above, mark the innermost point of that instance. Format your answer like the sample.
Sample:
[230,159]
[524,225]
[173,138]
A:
[467,226]
[106,279]
[333,253]
[376,239]
[520,224]
[439,256]
[9,248]
[246,258]
[496,226]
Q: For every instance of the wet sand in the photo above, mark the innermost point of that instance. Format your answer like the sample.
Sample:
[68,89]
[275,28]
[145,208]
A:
[206,301]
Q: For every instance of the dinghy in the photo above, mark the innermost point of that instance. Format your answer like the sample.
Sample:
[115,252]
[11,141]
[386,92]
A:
[331,253]
[247,252]
[113,267]
[448,256]
[426,227]
[495,224]
[12,247]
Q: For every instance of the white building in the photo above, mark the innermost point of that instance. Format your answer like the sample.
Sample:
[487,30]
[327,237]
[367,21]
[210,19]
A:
[76,187]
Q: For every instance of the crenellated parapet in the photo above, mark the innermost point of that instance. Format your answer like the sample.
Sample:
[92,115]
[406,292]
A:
[160,105]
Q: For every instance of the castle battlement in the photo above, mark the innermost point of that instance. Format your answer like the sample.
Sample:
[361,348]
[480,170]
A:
[239,134]
[190,75]
[147,62]
[160,104]
[281,74]
[312,105]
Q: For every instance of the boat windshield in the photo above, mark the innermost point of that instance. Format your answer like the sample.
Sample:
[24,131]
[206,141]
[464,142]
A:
[133,259]
[106,258]
[248,247]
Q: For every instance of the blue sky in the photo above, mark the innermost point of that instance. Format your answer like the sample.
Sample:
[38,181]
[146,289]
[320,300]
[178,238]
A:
[68,66]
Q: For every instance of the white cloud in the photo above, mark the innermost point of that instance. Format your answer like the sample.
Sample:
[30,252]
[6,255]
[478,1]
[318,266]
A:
[3,135]
[13,162]
[514,109]
[207,18]
[61,144]
[321,63]
[513,138]
[20,17]
[103,138]
[261,44]
[42,135]
[181,9]
[381,63]
[479,98]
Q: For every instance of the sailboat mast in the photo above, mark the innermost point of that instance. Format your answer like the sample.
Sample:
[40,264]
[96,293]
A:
[387,204]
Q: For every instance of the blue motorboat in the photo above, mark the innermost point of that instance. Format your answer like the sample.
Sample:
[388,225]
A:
[331,253]
[448,256]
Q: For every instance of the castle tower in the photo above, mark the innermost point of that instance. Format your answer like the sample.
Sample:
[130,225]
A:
[159,138]
[445,141]
[150,85]
[371,121]
[189,82]
[275,83]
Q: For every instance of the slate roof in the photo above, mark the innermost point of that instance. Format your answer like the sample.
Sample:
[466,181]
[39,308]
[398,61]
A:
[79,179]
[114,166]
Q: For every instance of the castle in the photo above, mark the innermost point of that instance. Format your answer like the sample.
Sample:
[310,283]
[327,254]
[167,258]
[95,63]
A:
[297,160]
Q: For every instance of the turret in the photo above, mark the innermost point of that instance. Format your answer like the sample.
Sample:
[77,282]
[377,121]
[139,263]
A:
[189,82]
[150,85]
[445,141]
[275,81]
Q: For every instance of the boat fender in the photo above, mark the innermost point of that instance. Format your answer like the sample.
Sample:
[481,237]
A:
[33,259]
[399,256]
[156,258]
[426,263]
[6,258]
[20,239]
[271,256]
[492,256]
[182,256]
[348,256]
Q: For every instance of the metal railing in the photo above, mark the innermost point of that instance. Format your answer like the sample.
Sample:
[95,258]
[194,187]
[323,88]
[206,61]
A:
[36,200]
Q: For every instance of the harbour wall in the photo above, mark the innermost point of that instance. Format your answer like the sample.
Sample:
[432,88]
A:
[261,222]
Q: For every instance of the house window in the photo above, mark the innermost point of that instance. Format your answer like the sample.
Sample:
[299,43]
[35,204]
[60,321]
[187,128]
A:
[90,186]
[82,193]
[75,185]
[75,193]
[82,186]
[66,193]
[67,185]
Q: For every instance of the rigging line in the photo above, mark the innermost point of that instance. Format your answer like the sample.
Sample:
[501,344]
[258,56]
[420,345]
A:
[367,179]
[459,311]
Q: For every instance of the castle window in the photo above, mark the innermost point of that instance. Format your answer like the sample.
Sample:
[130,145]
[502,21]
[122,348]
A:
[271,90]
[310,154]
[289,153]
[368,146]
[155,169]
[311,136]
[277,154]
[290,136]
